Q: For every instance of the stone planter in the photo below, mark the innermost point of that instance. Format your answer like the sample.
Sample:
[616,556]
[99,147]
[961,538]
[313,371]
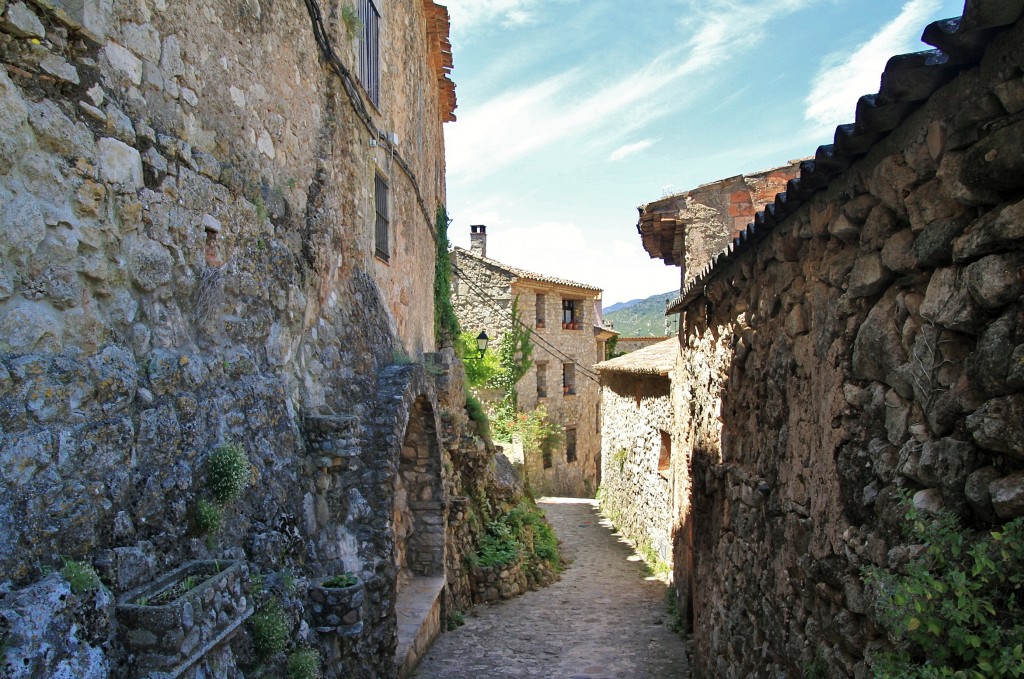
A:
[337,609]
[169,632]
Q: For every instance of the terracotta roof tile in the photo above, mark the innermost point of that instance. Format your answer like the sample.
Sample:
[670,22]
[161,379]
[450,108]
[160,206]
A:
[527,275]
[907,82]
[657,359]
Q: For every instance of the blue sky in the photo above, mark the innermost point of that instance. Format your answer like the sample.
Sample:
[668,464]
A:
[571,113]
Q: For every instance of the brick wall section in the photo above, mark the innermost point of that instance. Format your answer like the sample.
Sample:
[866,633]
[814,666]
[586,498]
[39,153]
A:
[694,226]
[871,342]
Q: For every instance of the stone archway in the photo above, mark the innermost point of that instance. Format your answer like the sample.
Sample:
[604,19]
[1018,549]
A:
[418,518]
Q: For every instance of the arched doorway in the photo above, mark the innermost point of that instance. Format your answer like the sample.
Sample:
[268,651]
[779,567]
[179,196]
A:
[418,518]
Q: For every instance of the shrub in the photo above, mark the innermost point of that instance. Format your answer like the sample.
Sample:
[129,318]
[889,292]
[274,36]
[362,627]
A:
[81,576]
[304,664]
[497,550]
[455,619]
[270,630]
[209,517]
[959,609]
[479,369]
[228,472]
[476,413]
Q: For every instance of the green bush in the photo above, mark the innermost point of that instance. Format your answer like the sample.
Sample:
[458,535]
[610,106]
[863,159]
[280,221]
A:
[959,609]
[304,664]
[228,472]
[81,576]
[476,412]
[479,369]
[270,630]
[209,517]
[496,550]
[455,619]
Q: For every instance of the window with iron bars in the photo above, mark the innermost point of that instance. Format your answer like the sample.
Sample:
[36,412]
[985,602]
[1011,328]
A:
[369,50]
[380,191]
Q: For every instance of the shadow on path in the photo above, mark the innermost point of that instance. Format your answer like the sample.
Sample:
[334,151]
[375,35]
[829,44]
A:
[604,619]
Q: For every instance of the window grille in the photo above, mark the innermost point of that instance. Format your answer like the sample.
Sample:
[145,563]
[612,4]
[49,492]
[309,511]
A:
[369,50]
[381,207]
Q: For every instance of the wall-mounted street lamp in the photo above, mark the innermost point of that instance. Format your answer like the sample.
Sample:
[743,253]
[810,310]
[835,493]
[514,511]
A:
[481,342]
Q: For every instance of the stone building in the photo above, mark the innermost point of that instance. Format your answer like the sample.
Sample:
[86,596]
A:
[217,224]
[688,228]
[626,345]
[637,474]
[861,336]
[564,318]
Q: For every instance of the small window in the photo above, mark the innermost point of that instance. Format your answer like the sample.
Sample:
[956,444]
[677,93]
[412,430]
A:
[380,194]
[542,380]
[546,456]
[665,458]
[568,379]
[540,311]
[369,50]
[570,444]
[570,314]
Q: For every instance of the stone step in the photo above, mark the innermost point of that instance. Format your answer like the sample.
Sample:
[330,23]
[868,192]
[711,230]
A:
[418,607]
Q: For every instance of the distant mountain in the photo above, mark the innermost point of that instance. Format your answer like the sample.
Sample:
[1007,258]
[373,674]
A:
[621,305]
[640,317]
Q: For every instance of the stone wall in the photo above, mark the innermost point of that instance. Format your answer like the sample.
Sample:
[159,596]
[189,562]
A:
[626,345]
[636,492]
[186,258]
[870,343]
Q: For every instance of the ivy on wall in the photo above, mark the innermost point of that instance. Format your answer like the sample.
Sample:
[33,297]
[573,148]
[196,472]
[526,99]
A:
[446,323]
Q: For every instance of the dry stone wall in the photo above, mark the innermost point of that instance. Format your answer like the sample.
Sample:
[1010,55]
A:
[871,343]
[186,258]
[635,493]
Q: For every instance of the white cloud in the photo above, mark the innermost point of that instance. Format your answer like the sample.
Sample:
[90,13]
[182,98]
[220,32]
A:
[467,15]
[629,149]
[833,97]
[520,122]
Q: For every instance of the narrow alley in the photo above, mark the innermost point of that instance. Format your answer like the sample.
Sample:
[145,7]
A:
[604,619]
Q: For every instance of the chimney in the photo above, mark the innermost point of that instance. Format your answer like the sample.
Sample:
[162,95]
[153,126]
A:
[478,239]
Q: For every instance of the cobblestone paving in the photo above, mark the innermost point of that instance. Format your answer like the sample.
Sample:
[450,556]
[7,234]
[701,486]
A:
[602,620]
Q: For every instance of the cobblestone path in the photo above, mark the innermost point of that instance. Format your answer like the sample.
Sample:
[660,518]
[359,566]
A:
[602,620]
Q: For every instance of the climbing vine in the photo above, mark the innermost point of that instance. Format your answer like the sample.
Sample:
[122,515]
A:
[446,324]
[514,358]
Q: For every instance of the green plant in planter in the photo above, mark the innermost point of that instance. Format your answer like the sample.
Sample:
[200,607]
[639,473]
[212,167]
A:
[81,576]
[209,517]
[270,630]
[304,664]
[342,581]
[228,472]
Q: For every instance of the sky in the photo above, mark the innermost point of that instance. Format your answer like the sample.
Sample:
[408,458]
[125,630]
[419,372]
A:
[571,113]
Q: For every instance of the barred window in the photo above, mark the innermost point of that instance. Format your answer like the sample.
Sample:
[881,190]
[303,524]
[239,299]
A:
[369,50]
[380,191]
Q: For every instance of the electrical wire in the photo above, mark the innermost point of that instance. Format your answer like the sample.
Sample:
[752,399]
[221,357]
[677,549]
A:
[555,351]
[324,43]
